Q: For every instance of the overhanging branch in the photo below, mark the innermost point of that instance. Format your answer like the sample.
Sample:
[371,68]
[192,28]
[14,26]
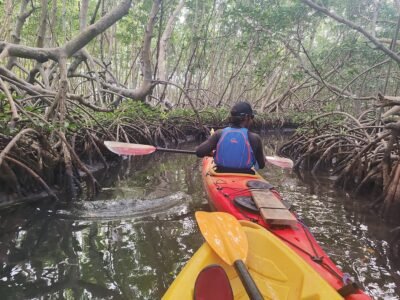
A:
[354,26]
[71,47]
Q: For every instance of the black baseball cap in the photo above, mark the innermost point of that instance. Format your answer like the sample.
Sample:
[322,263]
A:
[241,109]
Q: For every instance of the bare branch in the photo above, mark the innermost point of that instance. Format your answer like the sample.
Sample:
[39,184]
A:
[162,70]
[15,116]
[354,26]
[77,43]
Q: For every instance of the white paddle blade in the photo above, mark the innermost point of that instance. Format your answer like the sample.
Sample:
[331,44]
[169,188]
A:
[129,149]
[282,162]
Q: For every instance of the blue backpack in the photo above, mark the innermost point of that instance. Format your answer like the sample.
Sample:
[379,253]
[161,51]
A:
[234,150]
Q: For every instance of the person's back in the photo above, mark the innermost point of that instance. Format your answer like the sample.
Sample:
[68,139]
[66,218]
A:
[236,149]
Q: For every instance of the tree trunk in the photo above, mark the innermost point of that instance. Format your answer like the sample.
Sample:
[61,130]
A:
[162,58]
[16,35]
[83,14]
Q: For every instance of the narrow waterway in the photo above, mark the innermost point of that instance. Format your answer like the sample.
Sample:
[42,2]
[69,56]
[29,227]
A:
[133,240]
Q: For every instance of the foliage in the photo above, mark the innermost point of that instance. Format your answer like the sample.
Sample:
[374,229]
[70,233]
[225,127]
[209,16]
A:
[227,49]
[290,61]
[130,109]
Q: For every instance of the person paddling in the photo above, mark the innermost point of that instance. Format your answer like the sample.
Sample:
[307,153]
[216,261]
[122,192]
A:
[237,150]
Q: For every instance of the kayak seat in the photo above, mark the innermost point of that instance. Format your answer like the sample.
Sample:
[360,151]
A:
[247,203]
[212,283]
[259,184]
[213,172]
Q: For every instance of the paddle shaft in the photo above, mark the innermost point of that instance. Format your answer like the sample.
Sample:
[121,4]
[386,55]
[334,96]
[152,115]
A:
[138,149]
[270,159]
[175,150]
[248,282]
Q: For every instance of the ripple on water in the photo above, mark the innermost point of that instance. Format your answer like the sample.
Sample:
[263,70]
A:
[347,238]
[134,251]
[174,204]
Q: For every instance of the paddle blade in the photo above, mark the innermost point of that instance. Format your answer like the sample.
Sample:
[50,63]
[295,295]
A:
[224,235]
[212,283]
[129,149]
[282,162]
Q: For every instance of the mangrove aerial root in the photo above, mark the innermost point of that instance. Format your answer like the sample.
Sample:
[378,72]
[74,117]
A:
[363,152]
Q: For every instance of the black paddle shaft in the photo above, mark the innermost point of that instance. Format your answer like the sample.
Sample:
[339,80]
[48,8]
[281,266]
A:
[248,282]
[175,150]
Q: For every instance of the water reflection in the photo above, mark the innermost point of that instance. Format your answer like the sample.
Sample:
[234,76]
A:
[351,235]
[51,255]
[45,255]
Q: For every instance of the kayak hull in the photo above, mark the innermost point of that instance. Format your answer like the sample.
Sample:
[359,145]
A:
[278,272]
[223,188]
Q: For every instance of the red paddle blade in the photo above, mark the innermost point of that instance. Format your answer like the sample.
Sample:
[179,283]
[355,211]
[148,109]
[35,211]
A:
[212,283]
[129,149]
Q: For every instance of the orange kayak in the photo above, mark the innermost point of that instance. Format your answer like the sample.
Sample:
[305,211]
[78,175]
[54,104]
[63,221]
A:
[227,192]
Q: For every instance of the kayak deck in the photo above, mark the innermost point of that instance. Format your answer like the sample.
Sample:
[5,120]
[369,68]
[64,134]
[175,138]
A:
[223,188]
[278,272]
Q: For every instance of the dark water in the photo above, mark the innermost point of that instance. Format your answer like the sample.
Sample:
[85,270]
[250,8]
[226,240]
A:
[134,240]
